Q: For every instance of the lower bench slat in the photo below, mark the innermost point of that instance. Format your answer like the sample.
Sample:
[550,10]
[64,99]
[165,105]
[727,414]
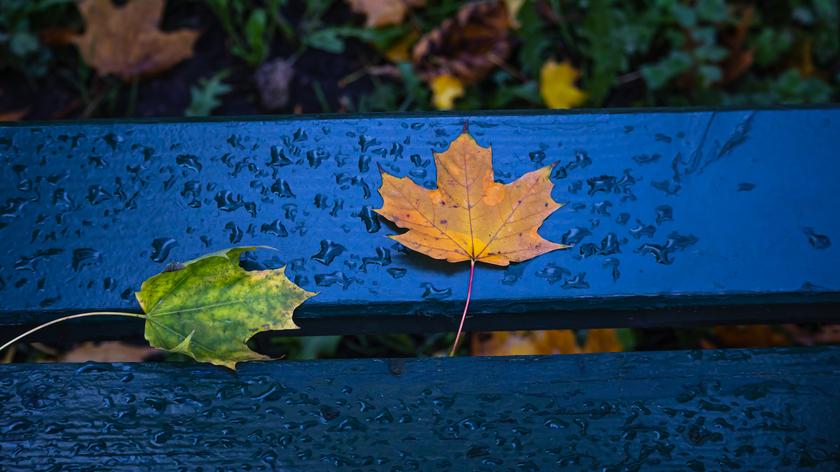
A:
[685,410]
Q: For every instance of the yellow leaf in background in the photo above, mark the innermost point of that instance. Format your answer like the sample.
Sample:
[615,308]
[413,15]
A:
[557,85]
[513,7]
[384,12]
[400,51]
[602,340]
[524,343]
[470,216]
[125,41]
[806,59]
[445,89]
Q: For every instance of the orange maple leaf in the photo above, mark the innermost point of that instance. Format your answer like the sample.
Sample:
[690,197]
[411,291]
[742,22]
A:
[125,41]
[470,217]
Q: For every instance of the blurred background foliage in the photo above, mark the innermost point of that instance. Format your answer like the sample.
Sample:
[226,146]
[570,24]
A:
[348,56]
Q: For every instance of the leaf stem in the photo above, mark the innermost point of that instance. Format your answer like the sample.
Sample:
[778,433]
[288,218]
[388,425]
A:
[70,317]
[466,307]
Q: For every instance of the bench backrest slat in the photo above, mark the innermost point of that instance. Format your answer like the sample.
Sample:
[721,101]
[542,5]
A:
[676,217]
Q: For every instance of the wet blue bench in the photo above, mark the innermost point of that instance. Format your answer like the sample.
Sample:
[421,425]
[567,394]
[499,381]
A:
[676,218]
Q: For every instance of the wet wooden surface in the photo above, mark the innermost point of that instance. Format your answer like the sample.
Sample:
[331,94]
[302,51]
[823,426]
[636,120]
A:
[676,218]
[691,410]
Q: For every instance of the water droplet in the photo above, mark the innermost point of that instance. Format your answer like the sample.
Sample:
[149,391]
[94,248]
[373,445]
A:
[623,218]
[227,201]
[432,293]
[282,189]
[321,201]
[329,251]
[235,233]
[278,159]
[334,278]
[370,219]
[31,262]
[85,257]
[578,281]
[552,273]
[642,229]
[817,241]
[382,258]
[315,158]
[664,213]
[161,248]
[364,163]
[612,263]
[662,252]
[667,186]
[601,208]
[96,195]
[574,235]
[189,161]
[275,228]
[646,158]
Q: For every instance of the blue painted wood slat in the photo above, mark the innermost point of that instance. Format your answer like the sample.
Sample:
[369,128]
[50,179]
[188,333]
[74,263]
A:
[701,410]
[675,217]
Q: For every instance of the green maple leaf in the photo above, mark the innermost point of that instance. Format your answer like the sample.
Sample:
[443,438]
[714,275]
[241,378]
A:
[209,308]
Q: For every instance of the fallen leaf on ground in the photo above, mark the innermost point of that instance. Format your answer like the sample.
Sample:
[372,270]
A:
[466,46]
[125,41]
[211,307]
[445,89]
[602,340]
[740,58]
[557,85]
[108,351]
[57,36]
[513,7]
[15,115]
[811,335]
[273,81]
[400,51]
[384,12]
[470,217]
[806,58]
[564,341]
[745,336]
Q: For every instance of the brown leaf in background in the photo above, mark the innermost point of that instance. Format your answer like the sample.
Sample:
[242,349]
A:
[274,79]
[125,41]
[520,343]
[466,46]
[384,12]
[400,50]
[14,115]
[57,36]
[745,336]
[109,351]
[811,335]
[805,62]
[740,58]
